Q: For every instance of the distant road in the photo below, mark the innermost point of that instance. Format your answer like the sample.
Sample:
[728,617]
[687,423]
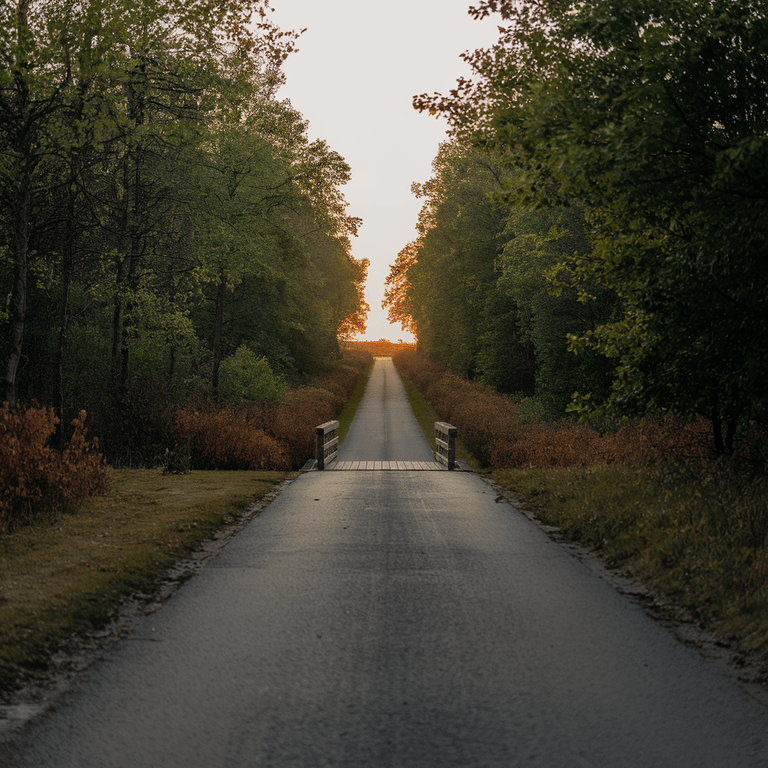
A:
[384,428]
[398,620]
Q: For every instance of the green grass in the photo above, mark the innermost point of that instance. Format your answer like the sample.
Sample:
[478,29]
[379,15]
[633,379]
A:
[426,417]
[348,414]
[69,575]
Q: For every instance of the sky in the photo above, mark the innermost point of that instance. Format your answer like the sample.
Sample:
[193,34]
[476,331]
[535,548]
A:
[358,67]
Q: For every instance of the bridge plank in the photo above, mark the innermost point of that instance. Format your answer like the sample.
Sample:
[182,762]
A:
[382,466]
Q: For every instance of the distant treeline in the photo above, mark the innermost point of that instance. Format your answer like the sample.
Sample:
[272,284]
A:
[380,348]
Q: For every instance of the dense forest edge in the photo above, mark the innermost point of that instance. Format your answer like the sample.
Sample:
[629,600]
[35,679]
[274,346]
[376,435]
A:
[593,238]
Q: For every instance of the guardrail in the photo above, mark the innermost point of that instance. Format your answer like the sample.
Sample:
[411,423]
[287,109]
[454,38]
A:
[326,443]
[445,444]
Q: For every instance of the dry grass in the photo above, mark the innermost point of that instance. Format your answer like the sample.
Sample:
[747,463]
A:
[697,535]
[69,574]
[649,498]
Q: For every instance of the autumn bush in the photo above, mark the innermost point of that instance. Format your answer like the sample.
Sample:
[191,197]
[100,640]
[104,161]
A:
[294,420]
[490,427]
[36,479]
[227,439]
[275,434]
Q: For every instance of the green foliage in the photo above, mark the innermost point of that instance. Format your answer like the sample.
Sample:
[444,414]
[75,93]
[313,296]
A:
[653,119]
[536,273]
[488,286]
[246,377]
[453,270]
[159,209]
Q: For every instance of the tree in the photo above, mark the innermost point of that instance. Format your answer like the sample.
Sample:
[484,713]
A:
[486,286]
[541,246]
[458,246]
[396,296]
[74,75]
[653,117]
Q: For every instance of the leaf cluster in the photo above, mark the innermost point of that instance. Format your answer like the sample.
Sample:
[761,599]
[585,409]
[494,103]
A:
[35,478]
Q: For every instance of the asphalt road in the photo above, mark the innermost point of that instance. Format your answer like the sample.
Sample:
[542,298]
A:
[398,620]
[384,428]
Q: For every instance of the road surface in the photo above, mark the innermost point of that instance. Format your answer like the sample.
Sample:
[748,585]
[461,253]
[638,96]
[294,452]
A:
[397,620]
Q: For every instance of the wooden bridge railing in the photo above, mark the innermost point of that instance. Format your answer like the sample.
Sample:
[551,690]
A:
[445,444]
[326,443]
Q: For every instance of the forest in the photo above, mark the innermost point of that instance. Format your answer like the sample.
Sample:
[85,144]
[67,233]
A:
[169,234]
[594,236]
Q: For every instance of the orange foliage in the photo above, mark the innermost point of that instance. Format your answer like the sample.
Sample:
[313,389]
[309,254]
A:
[489,427]
[226,439]
[35,478]
[269,436]
[380,348]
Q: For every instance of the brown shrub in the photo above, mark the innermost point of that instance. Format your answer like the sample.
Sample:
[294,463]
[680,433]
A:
[295,420]
[567,443]
[278,436]
[36,479]
[227,439]
[489,427]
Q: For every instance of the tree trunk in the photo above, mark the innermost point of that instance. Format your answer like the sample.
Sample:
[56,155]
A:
[19,291]
[717,426]
[63,331]
[66,286]
[218,323]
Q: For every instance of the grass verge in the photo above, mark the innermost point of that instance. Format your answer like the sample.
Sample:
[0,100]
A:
[426,416]
[348,413]
[700,538]
[70,575]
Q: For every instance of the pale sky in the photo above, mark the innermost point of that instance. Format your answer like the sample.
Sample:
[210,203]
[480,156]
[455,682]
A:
[358,67]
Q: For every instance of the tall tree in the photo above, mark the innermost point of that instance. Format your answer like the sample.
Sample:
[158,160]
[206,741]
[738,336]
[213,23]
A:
[73,74]
[654,118]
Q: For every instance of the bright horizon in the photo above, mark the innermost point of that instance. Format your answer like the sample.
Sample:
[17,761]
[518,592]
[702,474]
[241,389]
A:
[354,77]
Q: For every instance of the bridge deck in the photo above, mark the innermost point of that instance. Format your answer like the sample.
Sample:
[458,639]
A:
[418,466]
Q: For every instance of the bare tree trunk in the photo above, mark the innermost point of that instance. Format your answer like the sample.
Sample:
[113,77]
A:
[717,426]
[63,332]
[23,203]
[218,323]
[19,292]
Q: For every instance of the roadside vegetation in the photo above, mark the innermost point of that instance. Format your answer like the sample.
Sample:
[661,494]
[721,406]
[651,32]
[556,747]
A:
[177,275]
[650,499]
[165,229]
[77,537]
